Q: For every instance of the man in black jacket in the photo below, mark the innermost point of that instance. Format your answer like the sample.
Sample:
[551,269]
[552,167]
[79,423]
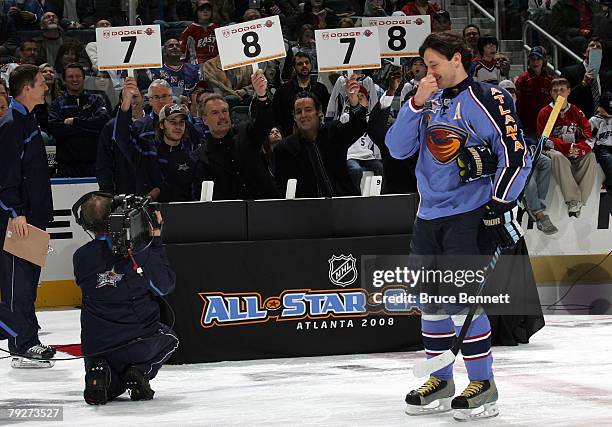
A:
[302,81]
[120,318]
[25,198]
[75,121]
[231,155]
[586,87]
[316,154]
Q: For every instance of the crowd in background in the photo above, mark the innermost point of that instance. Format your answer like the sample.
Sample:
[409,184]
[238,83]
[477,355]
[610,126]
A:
[83,104]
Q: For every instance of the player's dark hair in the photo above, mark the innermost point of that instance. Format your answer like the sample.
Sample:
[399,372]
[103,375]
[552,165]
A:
[305,94]
[485,40]
[95,213]
[23,75]
[73,65]
[560,81]
[447,44]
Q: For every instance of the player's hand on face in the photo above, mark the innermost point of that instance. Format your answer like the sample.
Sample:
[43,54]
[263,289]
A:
[260,84]
[352,89]
[427,87]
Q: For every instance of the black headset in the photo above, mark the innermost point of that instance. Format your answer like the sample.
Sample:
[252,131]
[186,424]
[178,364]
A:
[76,208]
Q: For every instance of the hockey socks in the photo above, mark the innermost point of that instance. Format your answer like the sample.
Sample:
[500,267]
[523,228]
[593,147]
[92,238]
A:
[476,348]
[438,335]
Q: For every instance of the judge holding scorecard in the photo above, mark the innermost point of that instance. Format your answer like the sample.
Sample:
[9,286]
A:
[25,201]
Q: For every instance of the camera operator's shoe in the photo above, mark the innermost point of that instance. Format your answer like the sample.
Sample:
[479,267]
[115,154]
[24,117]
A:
[97,380]
[137,385]
[37,356]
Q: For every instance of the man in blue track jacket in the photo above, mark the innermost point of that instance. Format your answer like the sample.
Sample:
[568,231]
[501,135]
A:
[25,198]
[462,211]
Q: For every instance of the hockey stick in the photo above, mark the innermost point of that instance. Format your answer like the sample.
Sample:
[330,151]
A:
[428,366]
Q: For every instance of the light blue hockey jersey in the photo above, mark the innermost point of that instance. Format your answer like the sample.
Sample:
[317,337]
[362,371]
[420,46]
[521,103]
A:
[468,114]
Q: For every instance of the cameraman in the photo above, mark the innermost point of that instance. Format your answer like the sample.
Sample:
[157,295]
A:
[120,318]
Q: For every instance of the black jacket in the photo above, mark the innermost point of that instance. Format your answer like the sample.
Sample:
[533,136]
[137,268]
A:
[284,100]
[119,305]
[25,188]
[114,172]
[581,95]
[301,159]
[235,163]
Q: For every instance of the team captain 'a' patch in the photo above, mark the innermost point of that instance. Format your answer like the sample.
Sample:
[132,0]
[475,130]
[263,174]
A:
[518,146]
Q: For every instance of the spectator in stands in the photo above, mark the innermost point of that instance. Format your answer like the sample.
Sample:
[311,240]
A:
[471,35]
[92,47]
[346,23]
[284,97]
[533,87]
[363,155]
[3,88]
[420,7]
[72,14]
[251,15]
[490,66]
[54,91]
[540,12]
[418,70]
[315,154]
[338,98]
[114,173]
[306,43]
[181,76]
[75,121]
[223,11]
[25,14]
[572,22]
[587,87]
[274,137]
[536,188]
[602,27]
[231,155]
[601,125]
[573,162]
[441,21]
[318,15]
[198,40]
[27,53]
[9,41]
[69,53]
[150,11]
[4,103]
[51,40]
[232,84]
[374,8]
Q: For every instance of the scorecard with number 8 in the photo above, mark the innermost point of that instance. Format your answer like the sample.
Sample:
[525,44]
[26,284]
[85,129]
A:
[347,49]
[250,42]
[400,35]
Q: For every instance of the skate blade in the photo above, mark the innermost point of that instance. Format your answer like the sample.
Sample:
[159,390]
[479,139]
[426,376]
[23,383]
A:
[488,410]
[22,363]
[436,407]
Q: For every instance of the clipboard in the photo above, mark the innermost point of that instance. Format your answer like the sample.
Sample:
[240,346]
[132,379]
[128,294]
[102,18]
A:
[33,248]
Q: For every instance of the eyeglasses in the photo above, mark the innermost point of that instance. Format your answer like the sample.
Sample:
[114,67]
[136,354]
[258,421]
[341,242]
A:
[160,97]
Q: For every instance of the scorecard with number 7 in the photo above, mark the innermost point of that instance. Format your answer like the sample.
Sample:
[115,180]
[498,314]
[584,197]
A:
[347,49]
[124,48]
[250,42]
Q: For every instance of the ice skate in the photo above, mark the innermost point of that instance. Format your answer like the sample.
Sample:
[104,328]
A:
[137,385]
[478,401]
[37,356]
[97,379]
[432,397]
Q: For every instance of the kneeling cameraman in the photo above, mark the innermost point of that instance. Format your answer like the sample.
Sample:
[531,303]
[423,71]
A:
[120,318]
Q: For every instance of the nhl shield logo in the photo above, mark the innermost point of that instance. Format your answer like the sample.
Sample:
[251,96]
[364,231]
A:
[342,270]
[226,33]
[325,36]
[106,34]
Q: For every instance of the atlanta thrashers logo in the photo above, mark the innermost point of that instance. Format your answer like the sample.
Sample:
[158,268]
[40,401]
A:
[444,142]
[418,21]
[367,33]
[342,270]
[269,23]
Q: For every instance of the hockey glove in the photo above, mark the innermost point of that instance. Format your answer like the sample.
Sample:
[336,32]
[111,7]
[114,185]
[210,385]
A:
[501,221]
[475,162]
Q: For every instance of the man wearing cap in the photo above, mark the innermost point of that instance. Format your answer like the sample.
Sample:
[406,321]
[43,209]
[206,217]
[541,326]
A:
[198,41]
[169,164]
[533,87]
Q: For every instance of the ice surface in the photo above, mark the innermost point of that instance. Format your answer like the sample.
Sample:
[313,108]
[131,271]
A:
[562,378]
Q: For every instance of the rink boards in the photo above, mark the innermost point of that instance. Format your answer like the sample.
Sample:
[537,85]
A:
[579,244]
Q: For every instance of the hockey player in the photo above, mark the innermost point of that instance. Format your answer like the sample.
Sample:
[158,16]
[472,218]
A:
[451,115]
[121,329]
